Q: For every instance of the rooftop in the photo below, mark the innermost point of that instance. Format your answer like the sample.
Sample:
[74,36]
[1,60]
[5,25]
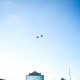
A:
[34,73]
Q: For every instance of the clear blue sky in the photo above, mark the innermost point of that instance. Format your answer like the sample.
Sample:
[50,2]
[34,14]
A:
[20,52]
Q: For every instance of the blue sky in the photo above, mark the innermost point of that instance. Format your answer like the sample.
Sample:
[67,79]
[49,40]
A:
[20,51]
